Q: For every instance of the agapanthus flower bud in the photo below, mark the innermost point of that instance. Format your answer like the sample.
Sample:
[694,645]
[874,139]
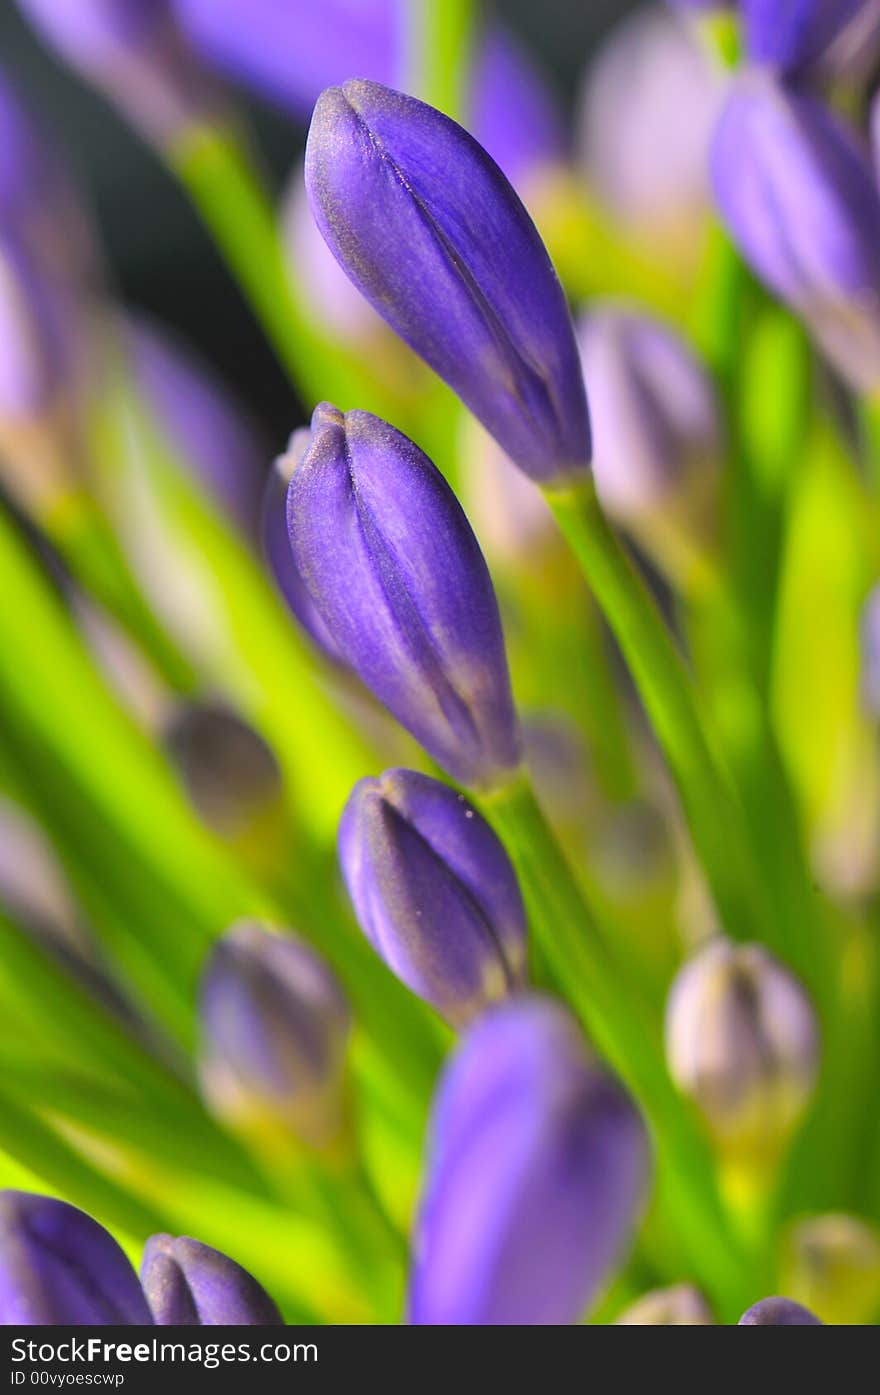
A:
[536,1171]
[742,1041]
[200,419]
[832,1266]
[275,1029]
[395,572]
[276,544]
[190,1285]
[794,35]
[778,1312]
[427,227]
[230,775]
[434,891]
[645,119]
[656,431]
[58,1266]
[797,192]
[134,51]
[679,1306]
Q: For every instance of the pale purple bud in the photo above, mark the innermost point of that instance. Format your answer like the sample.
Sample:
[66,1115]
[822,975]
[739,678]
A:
[646,115]
[188,1284]
[742,1042]
[657,435]
[134,51]
[230,775]
[434,892]
[778,1312]
[797,192]
[275,1029]
[536,1172]
[679,1306]
[202,422]
[59,1267]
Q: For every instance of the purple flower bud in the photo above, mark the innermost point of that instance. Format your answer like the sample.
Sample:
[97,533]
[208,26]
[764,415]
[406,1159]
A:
[200,420]
[793,35]
[190,1285]
[58,1266]
[276,544]
[870,636]
[429,230]
[434,891]
[231,776]
[275,1029]
[133,50]
[679,1306]
[778,1312]
[651,88]
[537,1166]
[797,192]
[396,574]
[742,1041]
[511,111]
[656,428]
[290,52]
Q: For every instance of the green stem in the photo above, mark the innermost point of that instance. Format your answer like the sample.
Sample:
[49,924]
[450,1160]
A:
[714,817]
[439,66]
[624,1032]
[217,173]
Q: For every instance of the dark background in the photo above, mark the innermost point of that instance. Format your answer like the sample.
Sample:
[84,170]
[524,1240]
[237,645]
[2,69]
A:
[160,257]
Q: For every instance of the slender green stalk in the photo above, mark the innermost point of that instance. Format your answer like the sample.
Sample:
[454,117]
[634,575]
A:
[624,1032]
[220,178]
[714,817]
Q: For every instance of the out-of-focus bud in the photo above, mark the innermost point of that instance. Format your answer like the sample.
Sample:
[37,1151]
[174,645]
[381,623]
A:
[797,192]
[395,573]
[276,545]
[275,1030]
[58,1266]
[202,424]
[509,513]
[434,892]
[512,112]
[229,773]
[852,55]
[415,211]
[134,51]
[646,115]
[32,885]
[742,1042]
[656,435]
[190,1285]
[38,201]
[536,1172]
[778,1312]
[870,637]
[288,53]
[44,358]
[794,35]
[832,1265]
[679,1306]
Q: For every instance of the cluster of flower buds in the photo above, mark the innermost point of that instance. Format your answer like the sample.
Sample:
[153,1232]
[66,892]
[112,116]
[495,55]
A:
[742,1041]
[795,185]
[536,1172]
[435,892]
[58,1266]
